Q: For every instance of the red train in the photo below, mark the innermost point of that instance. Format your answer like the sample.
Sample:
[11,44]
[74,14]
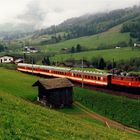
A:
[91,78]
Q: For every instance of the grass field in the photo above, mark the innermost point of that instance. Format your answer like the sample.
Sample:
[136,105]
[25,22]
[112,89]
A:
[20,119]
[117,54]
[120,109]
[17,84]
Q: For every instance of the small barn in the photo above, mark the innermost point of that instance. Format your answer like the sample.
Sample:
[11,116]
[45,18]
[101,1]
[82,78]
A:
[57,92]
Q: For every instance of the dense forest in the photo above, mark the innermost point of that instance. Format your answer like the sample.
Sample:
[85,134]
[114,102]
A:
[133,27]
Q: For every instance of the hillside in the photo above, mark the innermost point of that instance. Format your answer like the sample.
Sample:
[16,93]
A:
[110,54]
[90,24]
[108,38]
[22,119]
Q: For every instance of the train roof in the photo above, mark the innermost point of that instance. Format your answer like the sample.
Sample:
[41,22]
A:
[91,73]
[127,76]
[65,69]
[45,67]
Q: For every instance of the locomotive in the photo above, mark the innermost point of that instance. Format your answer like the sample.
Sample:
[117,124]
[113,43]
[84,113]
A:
[86,77]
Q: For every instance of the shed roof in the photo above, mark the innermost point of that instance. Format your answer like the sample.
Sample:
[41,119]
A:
[54,83]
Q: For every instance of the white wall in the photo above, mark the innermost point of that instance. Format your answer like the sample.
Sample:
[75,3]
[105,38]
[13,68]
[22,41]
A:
[6,59]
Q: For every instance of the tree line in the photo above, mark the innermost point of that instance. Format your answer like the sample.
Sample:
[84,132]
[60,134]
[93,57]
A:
[133,27]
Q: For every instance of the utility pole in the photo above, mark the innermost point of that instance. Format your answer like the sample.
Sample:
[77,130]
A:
[32,65]
[82,73]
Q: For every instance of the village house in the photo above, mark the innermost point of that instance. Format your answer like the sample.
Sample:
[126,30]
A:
[19,60]
[30,49]
[57,92]
[137,45]
[6,59]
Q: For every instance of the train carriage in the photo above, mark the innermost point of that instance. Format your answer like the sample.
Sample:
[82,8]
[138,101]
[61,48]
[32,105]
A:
[75,75]
[126,81]
[90,78]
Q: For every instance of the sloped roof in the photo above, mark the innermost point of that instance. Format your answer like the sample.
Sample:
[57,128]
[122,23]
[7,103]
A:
[6,56]
[54,83]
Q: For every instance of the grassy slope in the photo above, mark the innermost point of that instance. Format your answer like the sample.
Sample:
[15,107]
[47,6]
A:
[120,109]
[109,37]
[23,120]
[17,84]
[117,54]
[37,40]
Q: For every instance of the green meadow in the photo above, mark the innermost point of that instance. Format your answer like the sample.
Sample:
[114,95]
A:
[22,119]
[109,54]
[18,84]
[120,109]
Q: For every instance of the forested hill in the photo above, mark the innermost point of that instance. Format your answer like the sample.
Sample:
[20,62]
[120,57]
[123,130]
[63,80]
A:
[92,23]
[133,27]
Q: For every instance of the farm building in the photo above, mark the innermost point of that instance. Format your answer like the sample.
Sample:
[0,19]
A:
[19,60]
[57,92]
[6,59]
[30,49]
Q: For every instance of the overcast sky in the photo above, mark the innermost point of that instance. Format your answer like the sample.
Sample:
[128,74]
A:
[48,12]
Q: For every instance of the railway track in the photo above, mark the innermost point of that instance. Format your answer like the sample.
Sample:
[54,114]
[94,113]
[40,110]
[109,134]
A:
[109,91]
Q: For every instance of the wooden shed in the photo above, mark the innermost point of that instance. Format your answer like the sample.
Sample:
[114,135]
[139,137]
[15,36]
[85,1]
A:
[57,92]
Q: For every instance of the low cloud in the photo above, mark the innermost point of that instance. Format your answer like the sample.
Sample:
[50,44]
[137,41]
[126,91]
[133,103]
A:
[44,13]
[33,15]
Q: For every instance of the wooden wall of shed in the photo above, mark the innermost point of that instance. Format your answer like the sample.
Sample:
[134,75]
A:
[56,97]
[61,97]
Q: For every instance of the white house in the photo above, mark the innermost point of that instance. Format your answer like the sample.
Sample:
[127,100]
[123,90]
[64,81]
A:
[6,59]
[136,45]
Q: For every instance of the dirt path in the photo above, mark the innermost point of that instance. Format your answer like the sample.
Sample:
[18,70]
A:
[109,123]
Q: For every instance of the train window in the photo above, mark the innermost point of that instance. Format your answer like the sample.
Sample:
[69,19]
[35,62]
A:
[99,78]
[88,77]
[102,78]
[95,78]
